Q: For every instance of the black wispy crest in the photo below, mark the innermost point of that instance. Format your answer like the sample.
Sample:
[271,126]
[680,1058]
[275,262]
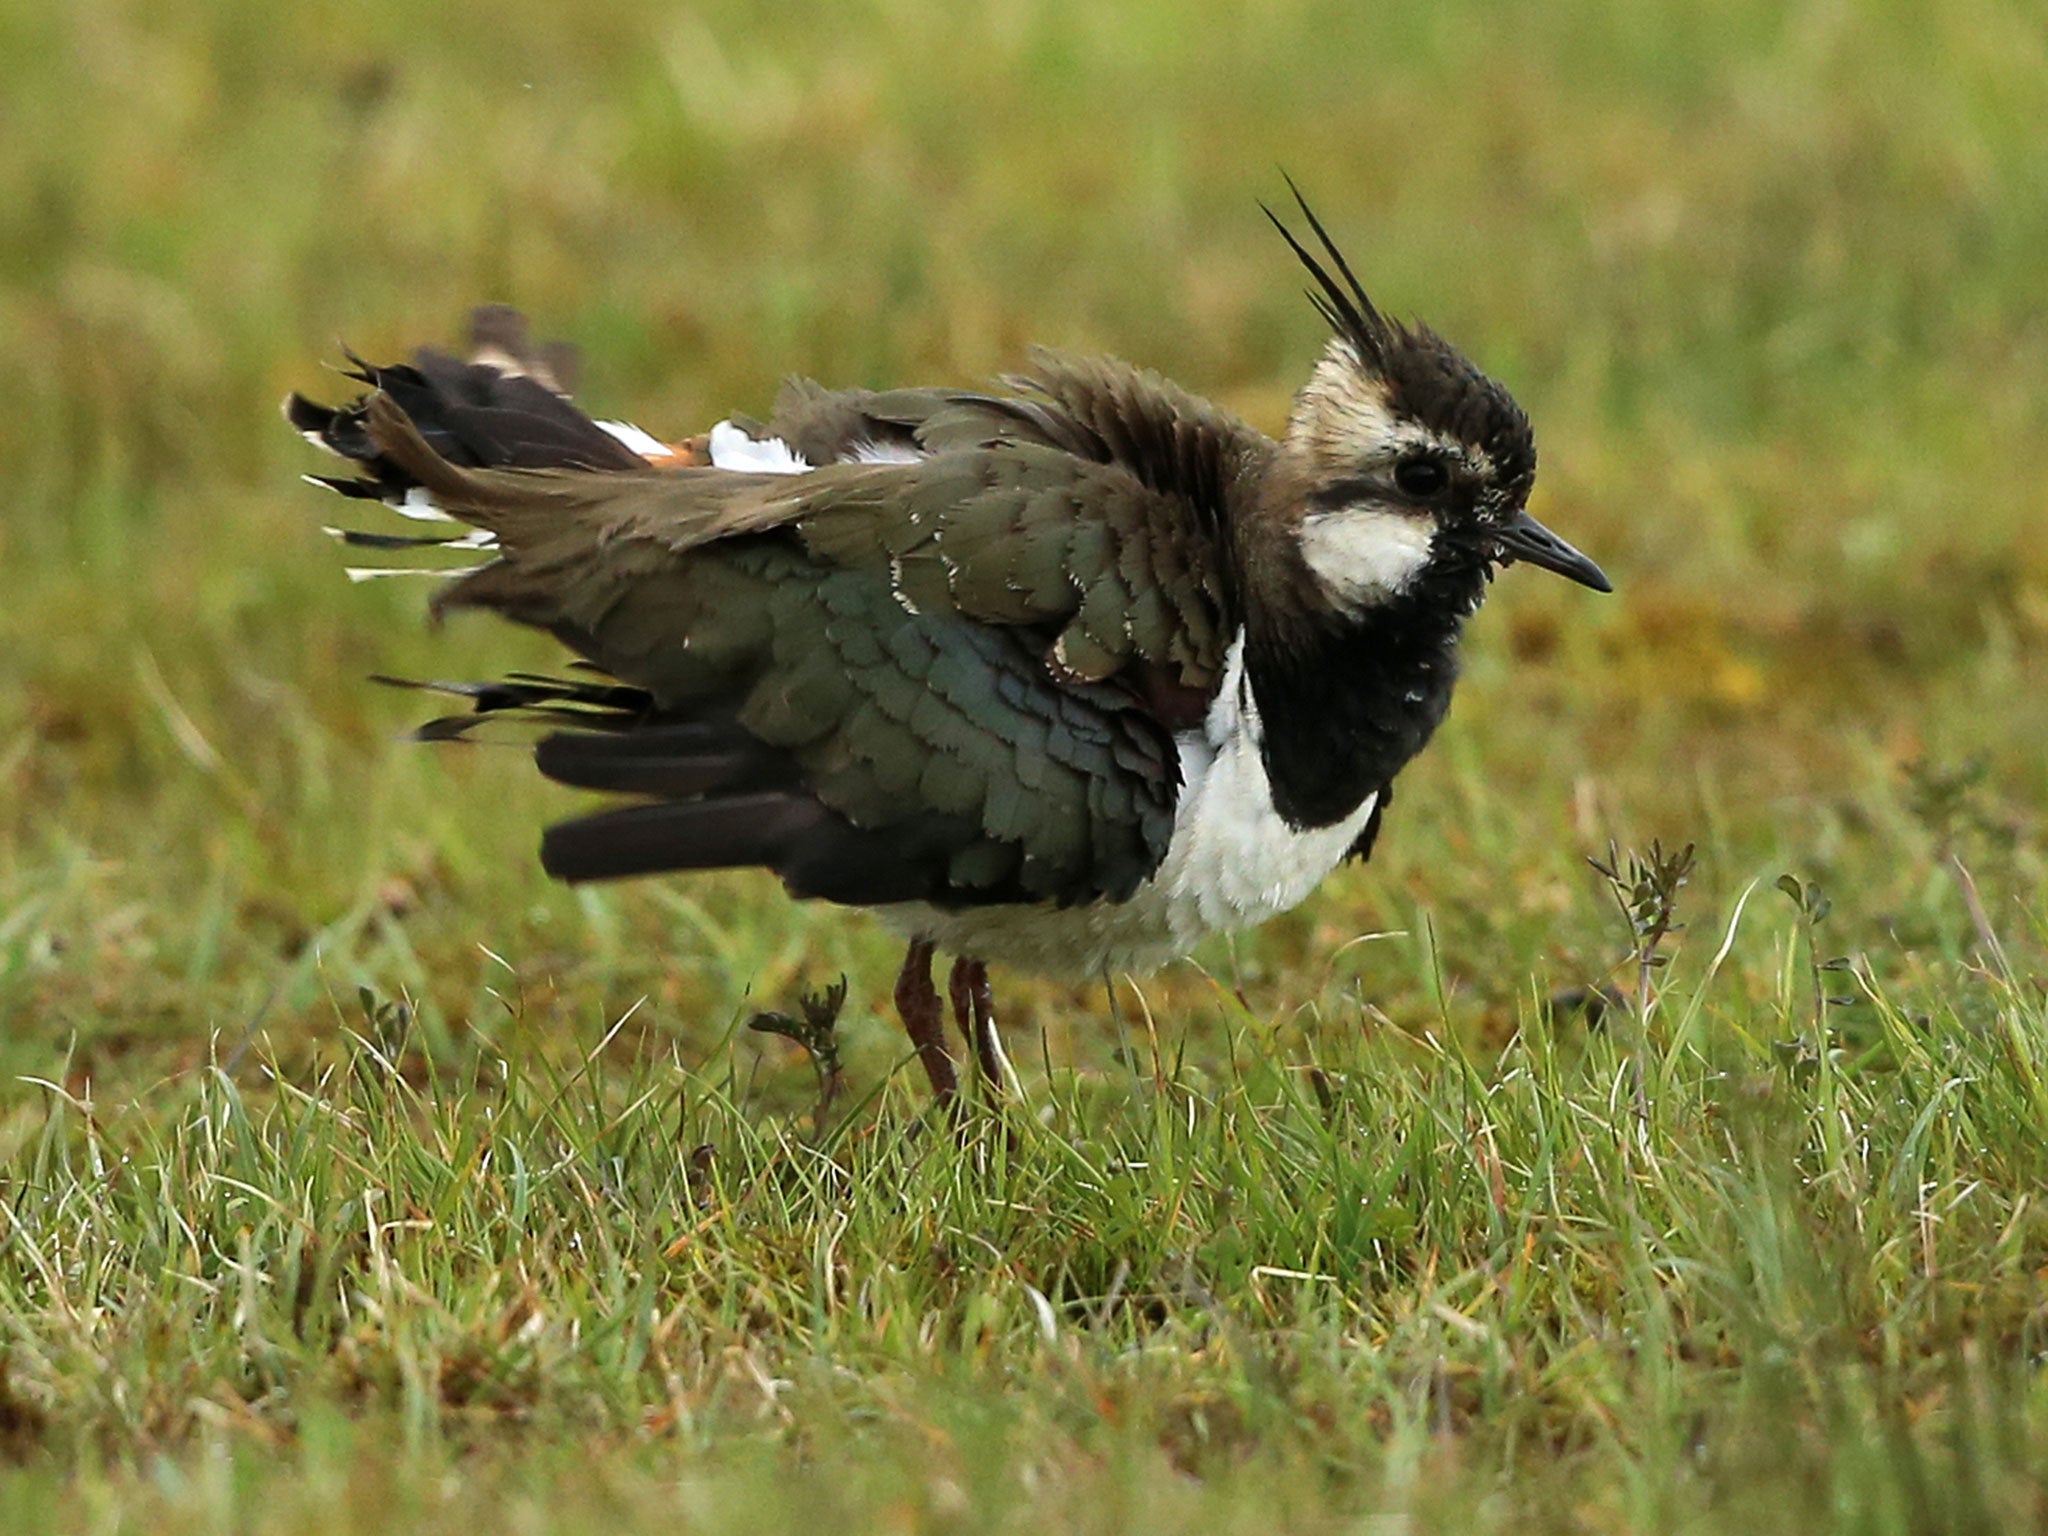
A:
[1345,306]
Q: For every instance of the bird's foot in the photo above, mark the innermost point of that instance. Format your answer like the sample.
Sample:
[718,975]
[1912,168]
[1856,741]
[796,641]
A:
[974,1010]
[924,1020]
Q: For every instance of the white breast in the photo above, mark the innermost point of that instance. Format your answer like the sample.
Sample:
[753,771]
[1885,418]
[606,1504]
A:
[1233,862]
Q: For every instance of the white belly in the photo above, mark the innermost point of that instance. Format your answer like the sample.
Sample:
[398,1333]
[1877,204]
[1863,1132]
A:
[1232,862]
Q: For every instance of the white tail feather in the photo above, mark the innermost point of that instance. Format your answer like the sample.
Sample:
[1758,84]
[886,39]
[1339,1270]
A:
[419,506]
[884,453]
[646,444]
[733,449]
[361,573]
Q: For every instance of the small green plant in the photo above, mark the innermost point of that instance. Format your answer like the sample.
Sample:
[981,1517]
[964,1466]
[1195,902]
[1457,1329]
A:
[1646,890]
[387,1024]
[1814,906]
[815,1027]
[1949,803]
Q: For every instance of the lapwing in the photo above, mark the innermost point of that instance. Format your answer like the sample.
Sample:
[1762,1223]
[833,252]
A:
[1064,674]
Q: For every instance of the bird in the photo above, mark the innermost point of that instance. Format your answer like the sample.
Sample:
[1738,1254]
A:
[1063,674]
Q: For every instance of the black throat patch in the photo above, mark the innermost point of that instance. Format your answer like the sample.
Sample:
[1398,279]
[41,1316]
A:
[1346,700]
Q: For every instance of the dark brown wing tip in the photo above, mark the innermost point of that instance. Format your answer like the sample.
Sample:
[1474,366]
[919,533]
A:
[399,440]
[308,417]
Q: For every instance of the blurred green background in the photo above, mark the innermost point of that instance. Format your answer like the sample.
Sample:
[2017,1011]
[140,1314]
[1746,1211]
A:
[1369,1226]
[1769,279]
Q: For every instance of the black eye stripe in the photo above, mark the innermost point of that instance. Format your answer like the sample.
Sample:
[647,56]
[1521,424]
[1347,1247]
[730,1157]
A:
[1339,494]
[1440,473]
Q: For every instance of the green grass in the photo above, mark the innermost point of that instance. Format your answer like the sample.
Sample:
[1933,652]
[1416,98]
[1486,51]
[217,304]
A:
[1352,1228]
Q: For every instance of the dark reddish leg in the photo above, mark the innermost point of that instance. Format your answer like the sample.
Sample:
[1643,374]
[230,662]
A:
[917,1002]
[974,1010]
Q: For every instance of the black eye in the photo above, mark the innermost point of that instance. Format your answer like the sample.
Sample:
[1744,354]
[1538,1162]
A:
[1422,476]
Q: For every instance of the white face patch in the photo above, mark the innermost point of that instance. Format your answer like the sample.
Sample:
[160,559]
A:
[1341,413]
[1365,555]
[1344,426]
[1344,416]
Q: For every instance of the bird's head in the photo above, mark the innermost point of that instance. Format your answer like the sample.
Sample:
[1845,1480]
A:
[1402,461]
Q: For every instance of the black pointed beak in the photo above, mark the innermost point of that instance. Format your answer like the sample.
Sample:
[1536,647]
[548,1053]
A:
[1528,540]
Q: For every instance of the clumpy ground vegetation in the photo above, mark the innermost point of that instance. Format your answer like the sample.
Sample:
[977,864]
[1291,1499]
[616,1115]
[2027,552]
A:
[351,1174]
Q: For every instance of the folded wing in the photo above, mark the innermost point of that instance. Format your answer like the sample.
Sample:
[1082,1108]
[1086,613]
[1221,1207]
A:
[946,664]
